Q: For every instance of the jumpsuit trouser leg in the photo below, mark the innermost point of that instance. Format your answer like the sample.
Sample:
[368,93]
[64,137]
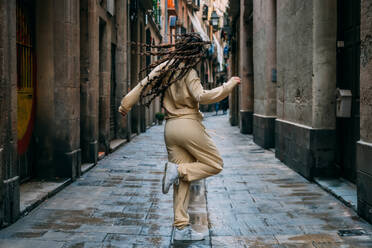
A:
[189,146]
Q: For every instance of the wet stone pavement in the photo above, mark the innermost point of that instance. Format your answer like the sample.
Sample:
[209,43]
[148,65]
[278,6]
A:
[255,202]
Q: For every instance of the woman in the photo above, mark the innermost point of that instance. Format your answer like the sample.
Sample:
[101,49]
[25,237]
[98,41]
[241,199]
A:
[192,154]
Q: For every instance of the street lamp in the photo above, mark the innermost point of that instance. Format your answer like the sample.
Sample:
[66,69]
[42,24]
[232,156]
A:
[214,20]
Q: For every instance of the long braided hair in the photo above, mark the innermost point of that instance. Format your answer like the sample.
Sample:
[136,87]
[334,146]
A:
[180,57]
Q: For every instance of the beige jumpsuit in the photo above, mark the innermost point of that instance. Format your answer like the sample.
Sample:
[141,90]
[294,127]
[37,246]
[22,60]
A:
[187,142]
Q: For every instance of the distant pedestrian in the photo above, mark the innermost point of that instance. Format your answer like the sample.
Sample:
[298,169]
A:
[225,105]
[217,107]
[192,154]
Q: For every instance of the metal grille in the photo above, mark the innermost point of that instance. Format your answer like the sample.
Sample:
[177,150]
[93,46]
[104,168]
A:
[25,50]
[26,83]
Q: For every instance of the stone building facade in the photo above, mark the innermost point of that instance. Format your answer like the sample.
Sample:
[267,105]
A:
[233,61]
[264,52]
[311,85]
[64,67]
[364,145]
[181,16]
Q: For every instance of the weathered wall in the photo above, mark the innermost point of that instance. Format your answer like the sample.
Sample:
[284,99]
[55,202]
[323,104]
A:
[364,146]
[9,181]
[324,64]
[105,40]
[294,59]
[99,30]
[45,112]
[89,80]
[138,112]
[366,72]
[259,54]
[66,101]
[234,71]
[156,37]
[264,54]
[246,67]
[58,90]
[306,62]
[122,73]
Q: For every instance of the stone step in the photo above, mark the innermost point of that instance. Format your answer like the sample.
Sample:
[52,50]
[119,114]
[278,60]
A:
[34,192]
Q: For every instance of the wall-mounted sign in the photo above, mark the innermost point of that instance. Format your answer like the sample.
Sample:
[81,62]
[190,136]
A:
[273,75]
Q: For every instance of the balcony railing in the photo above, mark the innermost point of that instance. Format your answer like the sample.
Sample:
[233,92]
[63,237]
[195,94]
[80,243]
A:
[172,7]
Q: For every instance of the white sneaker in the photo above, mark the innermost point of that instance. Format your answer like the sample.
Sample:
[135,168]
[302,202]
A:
[187,234]
[170,176]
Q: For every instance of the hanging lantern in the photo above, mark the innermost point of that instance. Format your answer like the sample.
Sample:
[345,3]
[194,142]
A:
[215,20]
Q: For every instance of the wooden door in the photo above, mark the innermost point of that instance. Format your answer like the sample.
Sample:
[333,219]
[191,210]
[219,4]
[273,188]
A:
[113,107]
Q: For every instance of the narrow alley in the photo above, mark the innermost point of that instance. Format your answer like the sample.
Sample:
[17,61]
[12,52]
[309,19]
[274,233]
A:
[255,202]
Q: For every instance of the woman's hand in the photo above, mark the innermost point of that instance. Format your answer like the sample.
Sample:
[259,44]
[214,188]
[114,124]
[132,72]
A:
[237,79]
[122,111]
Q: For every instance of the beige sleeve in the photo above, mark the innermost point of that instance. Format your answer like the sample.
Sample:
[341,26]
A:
[208,96]
[130,99]
[134,95]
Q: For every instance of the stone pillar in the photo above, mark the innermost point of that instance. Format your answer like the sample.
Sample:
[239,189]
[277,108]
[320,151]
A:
[67,152]
[229,75]
[134,65]
[141,65]
[323,145]
[324,64]
[128,56]
[9,180]
[58,91]
[121,63]
[104,86]
[89,81]
[246,67]
[234,62]
[305,138]
[264,46]
[364,146]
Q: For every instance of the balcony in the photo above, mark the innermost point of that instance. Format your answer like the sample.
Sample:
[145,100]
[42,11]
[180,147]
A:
[171,8]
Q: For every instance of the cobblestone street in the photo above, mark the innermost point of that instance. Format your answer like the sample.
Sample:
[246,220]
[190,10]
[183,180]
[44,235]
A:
[255,202]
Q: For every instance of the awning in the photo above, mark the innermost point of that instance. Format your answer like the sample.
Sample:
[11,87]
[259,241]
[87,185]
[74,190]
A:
[197,26]
[219,52]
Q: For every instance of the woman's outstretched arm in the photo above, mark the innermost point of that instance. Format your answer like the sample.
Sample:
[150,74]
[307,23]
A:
[209,96]
[134,95]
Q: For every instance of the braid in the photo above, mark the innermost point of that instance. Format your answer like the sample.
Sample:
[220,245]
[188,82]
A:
[180,58]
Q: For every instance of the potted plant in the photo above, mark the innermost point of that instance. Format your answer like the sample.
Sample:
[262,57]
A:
[159,117]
